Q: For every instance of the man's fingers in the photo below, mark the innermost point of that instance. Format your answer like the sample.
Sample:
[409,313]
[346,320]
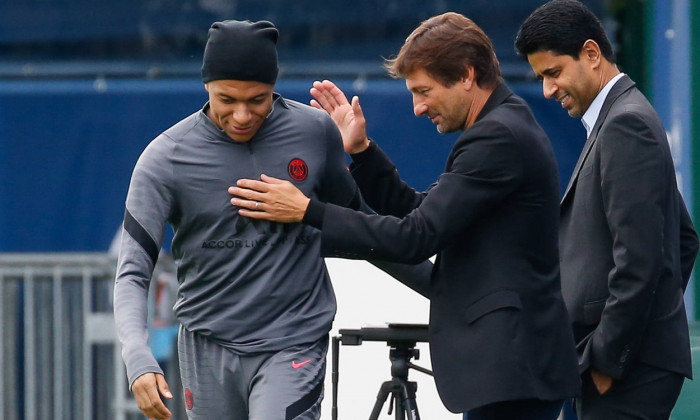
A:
[260,215]
[323,97]
[254,190]
[357,109]
[271,180]
[328,95]
[244,198]
[251,205]
[252,184]
[334,95]
[337,94]
[163,387]
[320,100]
[315,104]
[247,198]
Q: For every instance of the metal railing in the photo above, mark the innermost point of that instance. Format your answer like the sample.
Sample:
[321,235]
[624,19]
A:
[59,354]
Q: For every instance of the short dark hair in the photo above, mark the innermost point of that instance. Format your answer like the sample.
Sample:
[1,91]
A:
[444,46]
[562,27]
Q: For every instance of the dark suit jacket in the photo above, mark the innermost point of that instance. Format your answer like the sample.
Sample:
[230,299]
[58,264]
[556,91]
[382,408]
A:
[627,243]
[498,326]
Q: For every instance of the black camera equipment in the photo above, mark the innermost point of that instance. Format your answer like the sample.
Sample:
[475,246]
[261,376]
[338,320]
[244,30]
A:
[402,339]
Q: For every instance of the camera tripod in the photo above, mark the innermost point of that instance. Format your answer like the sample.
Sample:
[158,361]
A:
[403,391]
[402,339]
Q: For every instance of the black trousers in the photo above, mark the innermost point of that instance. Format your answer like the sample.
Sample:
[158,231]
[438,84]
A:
[517,409]
[645,393]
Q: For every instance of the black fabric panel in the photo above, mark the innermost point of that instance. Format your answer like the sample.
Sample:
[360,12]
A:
[304,403]
[141,236]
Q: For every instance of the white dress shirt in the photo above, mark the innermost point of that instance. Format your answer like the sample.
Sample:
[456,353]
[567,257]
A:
[591,116]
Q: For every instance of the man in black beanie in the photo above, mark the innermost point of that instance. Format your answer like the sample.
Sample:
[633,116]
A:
[255,303]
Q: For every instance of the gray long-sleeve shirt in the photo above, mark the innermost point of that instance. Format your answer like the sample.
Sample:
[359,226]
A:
[250,286]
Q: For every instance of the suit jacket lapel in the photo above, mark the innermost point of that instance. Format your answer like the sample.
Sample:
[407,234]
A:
[621,86]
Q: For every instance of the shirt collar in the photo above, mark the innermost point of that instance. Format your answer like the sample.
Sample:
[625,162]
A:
[591,116]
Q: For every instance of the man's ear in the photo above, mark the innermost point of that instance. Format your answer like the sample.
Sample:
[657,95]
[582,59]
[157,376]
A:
[590,52]
[469,78]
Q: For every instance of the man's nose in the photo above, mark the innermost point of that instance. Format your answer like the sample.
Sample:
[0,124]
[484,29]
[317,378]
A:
[241,113]
[549,88]
[419,108]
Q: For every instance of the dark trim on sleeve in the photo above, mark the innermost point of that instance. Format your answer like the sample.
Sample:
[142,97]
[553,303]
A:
[314,214]
[134,228]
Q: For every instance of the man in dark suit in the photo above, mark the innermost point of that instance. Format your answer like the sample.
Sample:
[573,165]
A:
[499,337]
[627,243]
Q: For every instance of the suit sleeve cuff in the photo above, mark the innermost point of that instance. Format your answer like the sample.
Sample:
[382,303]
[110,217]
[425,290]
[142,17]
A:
[359,158]
[314,214]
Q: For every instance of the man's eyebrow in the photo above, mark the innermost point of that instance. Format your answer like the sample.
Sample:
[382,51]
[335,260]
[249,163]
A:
[419,88]
[549,70]
[223,95]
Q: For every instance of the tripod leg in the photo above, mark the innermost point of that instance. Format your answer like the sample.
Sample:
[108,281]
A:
[335,352]
[384,391]
[399,404]
[409,400]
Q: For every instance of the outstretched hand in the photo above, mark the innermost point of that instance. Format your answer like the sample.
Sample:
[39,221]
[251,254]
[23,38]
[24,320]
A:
[347,116]
[271,199]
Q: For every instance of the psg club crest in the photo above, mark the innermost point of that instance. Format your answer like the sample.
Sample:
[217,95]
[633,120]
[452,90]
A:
[189,399]
[297,169]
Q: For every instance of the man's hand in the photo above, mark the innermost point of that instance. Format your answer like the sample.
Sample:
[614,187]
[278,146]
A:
[602,381]
[270,199]
[147,390]
[348,117]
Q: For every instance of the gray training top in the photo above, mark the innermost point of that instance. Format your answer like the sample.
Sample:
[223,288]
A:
[251,286]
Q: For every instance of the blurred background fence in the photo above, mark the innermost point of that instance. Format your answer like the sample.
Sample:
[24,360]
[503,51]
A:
[57,341]
[59,355]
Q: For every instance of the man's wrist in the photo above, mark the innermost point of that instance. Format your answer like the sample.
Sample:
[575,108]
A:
[360,157]
[361,147]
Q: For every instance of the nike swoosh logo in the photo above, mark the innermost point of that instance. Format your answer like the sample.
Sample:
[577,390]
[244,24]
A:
[296,365]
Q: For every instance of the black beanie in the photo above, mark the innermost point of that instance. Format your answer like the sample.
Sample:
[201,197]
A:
[241,50]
